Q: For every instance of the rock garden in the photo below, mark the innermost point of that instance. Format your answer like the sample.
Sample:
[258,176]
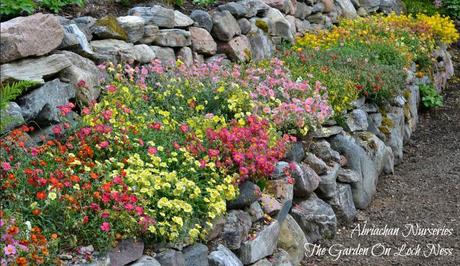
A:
[230,133]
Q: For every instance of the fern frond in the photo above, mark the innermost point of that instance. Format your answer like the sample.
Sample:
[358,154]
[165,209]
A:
[10,91]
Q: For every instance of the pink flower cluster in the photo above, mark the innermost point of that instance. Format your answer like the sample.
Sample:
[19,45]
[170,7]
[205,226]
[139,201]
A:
[247,149]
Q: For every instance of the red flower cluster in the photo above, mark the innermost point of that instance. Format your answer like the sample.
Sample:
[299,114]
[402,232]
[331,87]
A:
[248,149]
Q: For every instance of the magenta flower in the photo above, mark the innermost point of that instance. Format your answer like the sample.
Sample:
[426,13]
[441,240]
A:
[152,150]
[104,144]
[6,166]
[57,129]
[105,227]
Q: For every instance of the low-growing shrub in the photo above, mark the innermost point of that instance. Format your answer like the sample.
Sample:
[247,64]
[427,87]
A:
[430,96]
[18,7]
[159,156]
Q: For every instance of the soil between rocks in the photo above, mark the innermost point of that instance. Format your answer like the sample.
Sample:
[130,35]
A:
[424,190]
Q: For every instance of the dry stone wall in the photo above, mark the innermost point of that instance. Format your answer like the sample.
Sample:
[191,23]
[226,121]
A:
[335,173]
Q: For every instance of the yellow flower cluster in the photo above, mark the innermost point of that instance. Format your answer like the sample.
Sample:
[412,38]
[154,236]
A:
[397,30]
[175,195]
[441,26]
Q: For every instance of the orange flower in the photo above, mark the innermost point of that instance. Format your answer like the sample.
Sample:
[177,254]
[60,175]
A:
[75,178]
[36,212]
[54,236]
[41,195]
[13,230]
[21,261]
[45,251]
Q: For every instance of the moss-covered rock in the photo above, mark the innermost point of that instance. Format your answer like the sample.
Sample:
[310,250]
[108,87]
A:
[263,25]
[109,28]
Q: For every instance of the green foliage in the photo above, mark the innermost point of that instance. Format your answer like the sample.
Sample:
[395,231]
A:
[430,96]
[451,8]
[351,70]
[56,5]
[17,7]
[204,2]
[415,7]
[8,93]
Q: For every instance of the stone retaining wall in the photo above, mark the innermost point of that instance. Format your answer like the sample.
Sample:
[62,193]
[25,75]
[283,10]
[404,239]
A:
[335,173]
[46,48]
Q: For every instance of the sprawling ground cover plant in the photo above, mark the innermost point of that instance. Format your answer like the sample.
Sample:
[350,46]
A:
[367,56]
[158,156]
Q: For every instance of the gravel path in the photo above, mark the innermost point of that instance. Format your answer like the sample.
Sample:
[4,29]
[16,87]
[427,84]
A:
[424,191]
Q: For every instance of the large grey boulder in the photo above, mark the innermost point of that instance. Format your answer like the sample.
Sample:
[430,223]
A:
[236,228]
[348,10]
[181,20]
[249,193]
[223,257]
[108,28]
[323,150]
[150,33]
[202,19]
[35,69]
[85,24]
[262,246]
[134,27]
[236,9]
[40,105]
[11,117]
[202,41]
[281,28]
[185,54]
[119,51]
[125,252]
[318,165]
[395,136]
[356,120]
[346,175]
[281,189]
[245,25]
[292,239]
[146,261]
[255,8]
[282,5]
[343,205]
[327,131]
[411,111]
[368,156]
[225,26]
[306,181]
[237,49]
[328,185]
[281,258]
[316,218]
[388,6]
[173,38]
[296,153]
[109,49]
[33,35]
[75,40]
[170,257]
[165,54]
[370,5]
[82,69]
[196,255]
[261,46]
[156,15]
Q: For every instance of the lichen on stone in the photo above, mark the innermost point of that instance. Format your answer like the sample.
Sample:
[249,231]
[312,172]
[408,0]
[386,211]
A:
[112,24]
[262,24]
